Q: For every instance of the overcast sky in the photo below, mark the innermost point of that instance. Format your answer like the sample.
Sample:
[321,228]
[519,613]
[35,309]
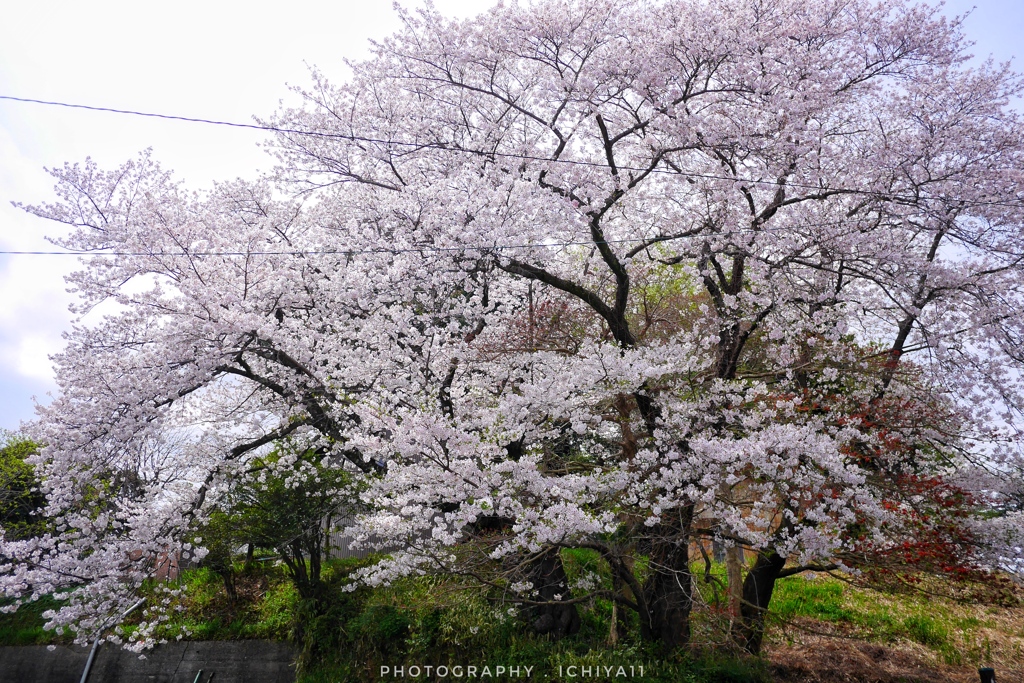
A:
[213,59]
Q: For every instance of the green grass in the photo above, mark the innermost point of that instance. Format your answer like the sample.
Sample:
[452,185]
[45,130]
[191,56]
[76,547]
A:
[940,626]
[437,621]
[25,627]
[820,599]
[266,611]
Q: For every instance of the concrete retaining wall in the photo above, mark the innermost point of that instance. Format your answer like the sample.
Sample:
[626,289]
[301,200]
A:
[230,661]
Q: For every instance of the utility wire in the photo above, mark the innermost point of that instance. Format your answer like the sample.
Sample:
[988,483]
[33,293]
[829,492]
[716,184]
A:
[654,241]
[1019,203]
[172,117]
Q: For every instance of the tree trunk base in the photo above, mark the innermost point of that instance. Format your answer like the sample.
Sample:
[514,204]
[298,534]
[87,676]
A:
[668,592]
[551,583]
[748,629]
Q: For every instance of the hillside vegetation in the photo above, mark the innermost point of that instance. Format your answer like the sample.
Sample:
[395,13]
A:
[823,629]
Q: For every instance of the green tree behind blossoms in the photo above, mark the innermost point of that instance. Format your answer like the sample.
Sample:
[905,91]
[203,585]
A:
[20,497]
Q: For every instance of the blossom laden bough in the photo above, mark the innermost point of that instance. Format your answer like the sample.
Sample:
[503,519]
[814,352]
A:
[623,275]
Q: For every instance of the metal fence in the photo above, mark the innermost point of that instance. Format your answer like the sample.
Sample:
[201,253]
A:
[339,547]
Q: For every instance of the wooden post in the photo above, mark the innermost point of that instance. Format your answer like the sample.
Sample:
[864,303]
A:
[734,575]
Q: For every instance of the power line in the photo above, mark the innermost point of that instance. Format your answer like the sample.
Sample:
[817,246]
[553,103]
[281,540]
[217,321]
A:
[187,119]
[1019,203]
[652,241]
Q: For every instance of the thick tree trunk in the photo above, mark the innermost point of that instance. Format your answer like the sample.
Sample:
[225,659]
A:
[549,580]
[748,630]
[668,591]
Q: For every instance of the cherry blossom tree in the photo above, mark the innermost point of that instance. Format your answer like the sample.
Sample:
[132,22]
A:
[617,275]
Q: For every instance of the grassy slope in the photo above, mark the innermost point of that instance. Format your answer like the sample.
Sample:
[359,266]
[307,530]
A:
[822,629]
[824,623]
[25,627]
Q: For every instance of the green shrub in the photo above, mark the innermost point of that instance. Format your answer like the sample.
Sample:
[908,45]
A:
[381,627]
